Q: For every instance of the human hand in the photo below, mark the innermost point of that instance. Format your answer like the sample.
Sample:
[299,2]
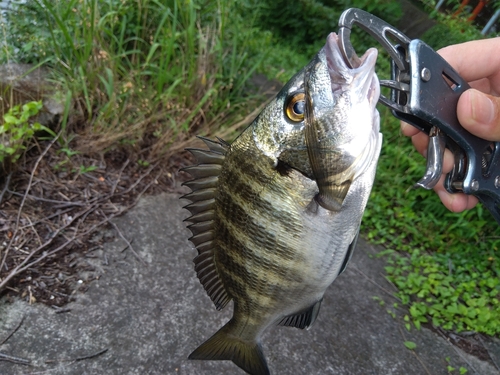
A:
[478,108]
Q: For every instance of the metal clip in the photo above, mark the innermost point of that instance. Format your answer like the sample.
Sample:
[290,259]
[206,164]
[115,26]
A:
[435,156]
[378,29]
[383,33]
[424,92]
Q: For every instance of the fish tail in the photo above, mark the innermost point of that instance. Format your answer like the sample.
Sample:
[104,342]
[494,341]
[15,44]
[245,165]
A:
[225,345]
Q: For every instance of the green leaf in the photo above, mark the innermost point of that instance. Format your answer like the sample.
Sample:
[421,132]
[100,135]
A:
[410,345]
[462,309]
[9,119]
[417,324]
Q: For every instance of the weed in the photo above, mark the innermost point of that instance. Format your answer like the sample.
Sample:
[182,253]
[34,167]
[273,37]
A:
[446,264]
[410,345]
[147,72]
[143,163]
[85,169]
[18,130]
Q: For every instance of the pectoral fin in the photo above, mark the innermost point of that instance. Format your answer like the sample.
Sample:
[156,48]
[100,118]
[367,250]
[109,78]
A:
[350,251]
[332,196]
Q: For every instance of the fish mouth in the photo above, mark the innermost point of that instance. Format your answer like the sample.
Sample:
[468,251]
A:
[361,78]
[341,128]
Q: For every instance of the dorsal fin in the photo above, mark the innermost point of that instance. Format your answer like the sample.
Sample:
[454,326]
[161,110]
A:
[202,196]
[303,319]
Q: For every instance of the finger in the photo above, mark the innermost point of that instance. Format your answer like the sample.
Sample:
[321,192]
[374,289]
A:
[480,114]
[474,60]
[454,202]
[408,130]
[448,161]
[421,142]
[483,85]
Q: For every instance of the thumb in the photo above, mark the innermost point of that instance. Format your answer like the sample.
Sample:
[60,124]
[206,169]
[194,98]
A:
[479,113]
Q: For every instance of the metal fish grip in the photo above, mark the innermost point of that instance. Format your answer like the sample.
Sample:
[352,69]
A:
[424,92]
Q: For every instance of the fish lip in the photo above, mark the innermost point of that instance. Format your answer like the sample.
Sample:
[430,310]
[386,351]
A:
[333,49]
[343,77]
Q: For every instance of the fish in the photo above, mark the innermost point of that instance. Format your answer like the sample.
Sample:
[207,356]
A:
[275,215]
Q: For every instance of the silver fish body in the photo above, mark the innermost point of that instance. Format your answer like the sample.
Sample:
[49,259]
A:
[275,215]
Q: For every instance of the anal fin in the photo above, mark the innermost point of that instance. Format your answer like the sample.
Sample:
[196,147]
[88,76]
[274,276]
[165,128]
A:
[303,319]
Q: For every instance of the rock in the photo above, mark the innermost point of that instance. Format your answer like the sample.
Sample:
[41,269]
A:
[22,83]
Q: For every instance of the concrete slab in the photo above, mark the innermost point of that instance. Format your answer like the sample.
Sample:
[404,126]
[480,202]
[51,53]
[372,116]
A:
[150,317]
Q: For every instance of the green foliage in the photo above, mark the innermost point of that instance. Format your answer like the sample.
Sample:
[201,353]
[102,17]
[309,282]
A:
[448,29]
[304,25]
[410,345]
[451,369]
[22,37]
[17,130]
[446,266]
[141,70]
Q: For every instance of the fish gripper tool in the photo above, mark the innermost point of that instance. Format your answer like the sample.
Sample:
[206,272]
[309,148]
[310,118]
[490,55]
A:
[424,93]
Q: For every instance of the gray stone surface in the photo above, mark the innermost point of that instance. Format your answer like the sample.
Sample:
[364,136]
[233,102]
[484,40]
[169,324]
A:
[150,317]
[23,83]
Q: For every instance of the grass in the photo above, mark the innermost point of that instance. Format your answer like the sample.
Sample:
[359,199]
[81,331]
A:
[445,265]
[142,74]
[145,76]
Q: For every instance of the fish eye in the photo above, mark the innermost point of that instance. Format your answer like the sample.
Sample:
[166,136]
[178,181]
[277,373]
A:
[296,107]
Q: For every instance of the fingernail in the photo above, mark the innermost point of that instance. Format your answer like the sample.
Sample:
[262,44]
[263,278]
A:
[482,108]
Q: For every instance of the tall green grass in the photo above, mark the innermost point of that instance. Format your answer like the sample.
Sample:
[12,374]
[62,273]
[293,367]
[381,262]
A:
[143,73]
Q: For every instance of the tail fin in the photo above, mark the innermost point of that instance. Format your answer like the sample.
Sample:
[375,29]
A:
[225,346]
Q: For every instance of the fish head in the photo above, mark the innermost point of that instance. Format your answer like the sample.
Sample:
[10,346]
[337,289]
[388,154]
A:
[324,121]
[341,98]
[341,120]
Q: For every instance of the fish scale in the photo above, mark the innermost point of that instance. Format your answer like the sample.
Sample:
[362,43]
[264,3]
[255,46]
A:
[253,241]
[276,214]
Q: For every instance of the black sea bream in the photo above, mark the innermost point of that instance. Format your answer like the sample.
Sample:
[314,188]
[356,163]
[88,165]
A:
[276,214]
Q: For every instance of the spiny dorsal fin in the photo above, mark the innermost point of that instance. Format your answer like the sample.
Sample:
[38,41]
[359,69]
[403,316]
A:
[220,146]
[303,319]
[206,156]
[202,183]
[202,196]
